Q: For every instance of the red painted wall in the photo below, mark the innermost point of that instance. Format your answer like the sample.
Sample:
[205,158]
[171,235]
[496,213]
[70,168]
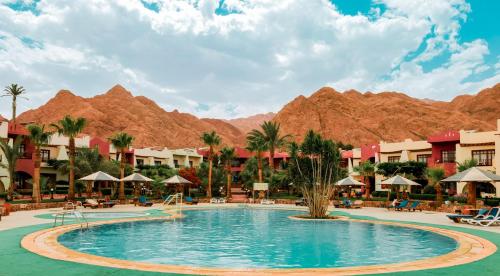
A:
[102,146]
[449,168]
[369,151]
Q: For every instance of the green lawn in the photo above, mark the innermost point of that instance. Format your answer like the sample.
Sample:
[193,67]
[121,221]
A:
[15,260]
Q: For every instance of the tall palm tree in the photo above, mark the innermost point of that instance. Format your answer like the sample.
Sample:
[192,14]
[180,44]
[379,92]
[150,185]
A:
[39,137]
[467,164]
[122,142]
[257,145]
[227,156]
[11,154]
[366,169]
[271,135]
[71,127]
[435,175]
[14,91]
[211,139]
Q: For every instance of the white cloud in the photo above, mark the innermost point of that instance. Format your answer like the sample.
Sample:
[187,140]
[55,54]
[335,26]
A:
[255,58]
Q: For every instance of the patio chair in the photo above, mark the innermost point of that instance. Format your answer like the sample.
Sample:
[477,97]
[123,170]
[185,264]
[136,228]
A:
[222,200]
[92,203]
[301,202]
[414,206]
[346,203]
[214,200]
[493,217]
[143,201]
[463,218]
[190,201]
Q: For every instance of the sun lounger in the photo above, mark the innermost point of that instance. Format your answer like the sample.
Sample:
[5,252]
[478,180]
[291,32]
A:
[190,201]
[493,217]
[301,202]
[222,200]
[266,201]
[214,200]
[414,206]
[402,205]
[346,203]
[463,218]
[92,203]
[357,204]
[143,201]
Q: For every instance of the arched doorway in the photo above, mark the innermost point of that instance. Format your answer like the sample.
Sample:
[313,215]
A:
[483,189]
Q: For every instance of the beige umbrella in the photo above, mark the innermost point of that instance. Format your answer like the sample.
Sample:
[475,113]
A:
[349,182]
[471,176]
[137,177]
[398,180]
[97,176]
[177,180]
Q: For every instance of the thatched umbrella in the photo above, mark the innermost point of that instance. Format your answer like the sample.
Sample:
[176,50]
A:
[177,180]
[137,178]
[398,181]
[97,176]
[472,176]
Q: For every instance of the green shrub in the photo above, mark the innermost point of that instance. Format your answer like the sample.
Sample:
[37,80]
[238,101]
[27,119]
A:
[429,189]
[492,202]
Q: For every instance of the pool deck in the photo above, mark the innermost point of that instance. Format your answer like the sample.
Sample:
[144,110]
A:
[15,227]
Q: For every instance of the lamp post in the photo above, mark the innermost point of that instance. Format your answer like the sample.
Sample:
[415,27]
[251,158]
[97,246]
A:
[51,193]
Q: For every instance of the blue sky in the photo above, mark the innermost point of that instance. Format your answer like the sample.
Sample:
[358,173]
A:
[232,58]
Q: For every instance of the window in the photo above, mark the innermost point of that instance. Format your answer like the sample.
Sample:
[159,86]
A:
[157,163]
[483,157]
[393,159]
[22,149]
[448,156]
[176,163]
[139,162]
[190,164]
[423,158]
[45,154]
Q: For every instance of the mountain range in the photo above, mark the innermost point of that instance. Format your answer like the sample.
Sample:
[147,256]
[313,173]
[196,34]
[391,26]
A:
[350,117]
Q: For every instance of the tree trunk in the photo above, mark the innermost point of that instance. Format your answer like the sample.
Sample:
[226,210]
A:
[439,194]
[14,107]
[367,188]
[209,188]
[36,177]
[471,193]
[71,191]
[259,167]
[89,189]
[10,191]
[121,193]
[271,158]
[228,193]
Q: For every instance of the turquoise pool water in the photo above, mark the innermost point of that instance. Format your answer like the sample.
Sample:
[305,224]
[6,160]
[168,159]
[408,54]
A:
[257,238]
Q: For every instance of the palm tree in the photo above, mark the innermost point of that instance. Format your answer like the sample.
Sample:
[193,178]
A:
[435,175]
[39,137]
[122,142]
[227,156]
[366,169]
[211,139]
[11,153]
[14,91]
[271,135]
[71,128]
[467,164]
[258,145]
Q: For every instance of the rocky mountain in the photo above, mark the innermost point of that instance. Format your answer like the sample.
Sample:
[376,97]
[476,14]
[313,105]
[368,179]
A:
[350,117]
[118,110]
[252,122]
[356,118]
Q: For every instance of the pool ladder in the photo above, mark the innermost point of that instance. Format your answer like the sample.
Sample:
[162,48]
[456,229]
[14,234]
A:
[177,197]
[80,218]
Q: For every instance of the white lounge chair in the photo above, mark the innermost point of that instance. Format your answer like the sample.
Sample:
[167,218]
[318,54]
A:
[266,201]
[493,217]
[214,200]
[222,200]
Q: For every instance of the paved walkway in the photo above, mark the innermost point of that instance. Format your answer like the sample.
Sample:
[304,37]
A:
[16,260]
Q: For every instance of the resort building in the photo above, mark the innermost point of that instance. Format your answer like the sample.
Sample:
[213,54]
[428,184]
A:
[444,147]
[185,158]
[481,147]
[152,156]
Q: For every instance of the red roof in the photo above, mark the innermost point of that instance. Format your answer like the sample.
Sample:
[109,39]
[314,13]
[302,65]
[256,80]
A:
[445,136]
[369,151]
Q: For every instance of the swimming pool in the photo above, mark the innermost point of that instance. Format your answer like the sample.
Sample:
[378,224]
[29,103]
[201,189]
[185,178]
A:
[107,215]
[257,238]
